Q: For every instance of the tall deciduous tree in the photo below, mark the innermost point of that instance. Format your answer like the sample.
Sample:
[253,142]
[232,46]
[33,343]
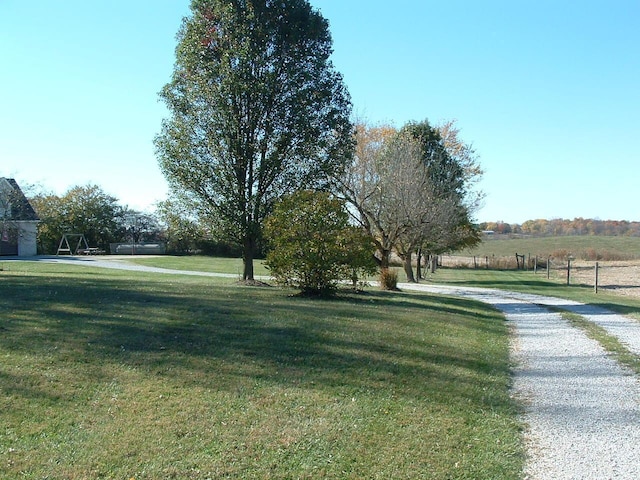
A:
[442,218]
[363,186]
[257,111]
[408,191]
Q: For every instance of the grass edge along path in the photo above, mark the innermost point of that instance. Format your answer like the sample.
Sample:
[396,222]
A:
[606,340]
[113,374]
[528,282]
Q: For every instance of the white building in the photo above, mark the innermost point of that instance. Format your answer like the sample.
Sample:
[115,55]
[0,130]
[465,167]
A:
[18,221]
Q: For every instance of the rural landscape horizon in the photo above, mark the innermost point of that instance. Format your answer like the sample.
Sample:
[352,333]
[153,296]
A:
[256,239]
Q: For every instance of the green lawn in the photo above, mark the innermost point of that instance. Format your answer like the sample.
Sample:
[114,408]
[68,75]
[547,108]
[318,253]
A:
[113,374]
[200,263]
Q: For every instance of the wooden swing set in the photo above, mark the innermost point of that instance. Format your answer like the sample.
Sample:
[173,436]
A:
[65,246]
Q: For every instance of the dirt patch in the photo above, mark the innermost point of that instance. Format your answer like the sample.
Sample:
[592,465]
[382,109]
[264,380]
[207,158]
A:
[621,277]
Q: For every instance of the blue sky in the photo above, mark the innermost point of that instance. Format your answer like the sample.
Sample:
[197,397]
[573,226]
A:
[548,92]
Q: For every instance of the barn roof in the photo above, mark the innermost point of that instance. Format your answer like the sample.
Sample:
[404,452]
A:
[21,209]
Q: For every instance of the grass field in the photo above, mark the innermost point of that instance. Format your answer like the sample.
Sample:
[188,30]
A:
[583,247]
[201,263]
[113,374]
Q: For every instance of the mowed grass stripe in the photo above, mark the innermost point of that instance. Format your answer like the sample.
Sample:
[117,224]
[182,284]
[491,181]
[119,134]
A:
[108,374]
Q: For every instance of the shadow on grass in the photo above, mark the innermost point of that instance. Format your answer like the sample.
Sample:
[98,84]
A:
[218,336]
[434,303]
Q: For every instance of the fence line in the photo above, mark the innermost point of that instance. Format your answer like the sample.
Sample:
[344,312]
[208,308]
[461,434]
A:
[617,275]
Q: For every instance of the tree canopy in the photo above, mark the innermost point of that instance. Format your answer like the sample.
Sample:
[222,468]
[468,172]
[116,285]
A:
[257,111]
[408,189]
[85,210]
[361,186]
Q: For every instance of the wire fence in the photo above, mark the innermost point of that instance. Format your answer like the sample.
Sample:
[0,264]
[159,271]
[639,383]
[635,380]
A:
[620,276]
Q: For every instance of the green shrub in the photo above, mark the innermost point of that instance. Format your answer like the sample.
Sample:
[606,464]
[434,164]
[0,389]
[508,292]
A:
[313,247]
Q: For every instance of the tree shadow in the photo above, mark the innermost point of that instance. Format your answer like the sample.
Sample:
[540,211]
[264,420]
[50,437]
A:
[206,334]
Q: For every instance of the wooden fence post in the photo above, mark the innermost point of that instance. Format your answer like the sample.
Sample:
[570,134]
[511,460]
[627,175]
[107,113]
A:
[595,287]
[548,266]
[568,270]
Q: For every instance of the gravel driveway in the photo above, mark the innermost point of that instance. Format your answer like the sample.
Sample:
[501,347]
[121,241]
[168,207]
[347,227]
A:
[581,408]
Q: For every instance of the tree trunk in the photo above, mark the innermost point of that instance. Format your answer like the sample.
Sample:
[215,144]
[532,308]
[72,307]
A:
[247,258]
[418,265]
[385,256]
[408,269]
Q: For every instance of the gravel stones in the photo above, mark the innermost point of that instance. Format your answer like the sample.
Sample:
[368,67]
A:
[581,408]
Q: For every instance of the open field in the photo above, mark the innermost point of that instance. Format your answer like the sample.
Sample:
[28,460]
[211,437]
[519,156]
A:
[618,259]
[580,246]
[114,374]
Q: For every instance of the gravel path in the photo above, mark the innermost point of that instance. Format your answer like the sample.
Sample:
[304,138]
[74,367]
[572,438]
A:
[581,408]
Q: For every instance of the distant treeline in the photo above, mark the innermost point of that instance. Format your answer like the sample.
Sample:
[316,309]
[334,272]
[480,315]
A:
[559,227]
